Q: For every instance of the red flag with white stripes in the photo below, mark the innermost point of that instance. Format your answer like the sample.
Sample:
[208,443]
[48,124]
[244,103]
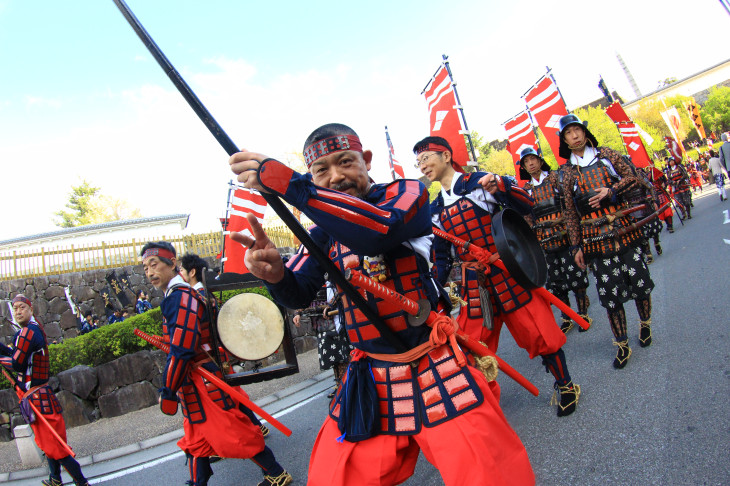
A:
[629,135]
[444,115]
[520,135]
[547,107]
[396,170]
[243,201]
[634,146]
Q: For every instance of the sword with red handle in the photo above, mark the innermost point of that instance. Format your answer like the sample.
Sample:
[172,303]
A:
[233,392]
[485,257]
[39,415]
[424,314]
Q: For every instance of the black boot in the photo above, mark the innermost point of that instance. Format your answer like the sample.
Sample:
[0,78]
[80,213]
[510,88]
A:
[567,325]
[622,354]
[645,333]
[569,395]
[658,248]
[588,320]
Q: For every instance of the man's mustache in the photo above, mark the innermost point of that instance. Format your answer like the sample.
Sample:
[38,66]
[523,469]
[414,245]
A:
[344,186]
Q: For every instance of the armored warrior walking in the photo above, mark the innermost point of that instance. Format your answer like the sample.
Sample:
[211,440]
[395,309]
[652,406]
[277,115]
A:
[548,222]
[464,208]
[594,182]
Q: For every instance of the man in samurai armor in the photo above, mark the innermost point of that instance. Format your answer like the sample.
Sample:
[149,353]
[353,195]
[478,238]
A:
[644,193]
[659,182]
[28,361]
[594,182]
[191,270]
[678,185]
[464,208]
[213,425]
[333,347]
[423,393]
[548,222]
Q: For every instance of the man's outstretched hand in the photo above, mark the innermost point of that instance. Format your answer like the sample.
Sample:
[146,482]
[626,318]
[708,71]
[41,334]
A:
[262,259]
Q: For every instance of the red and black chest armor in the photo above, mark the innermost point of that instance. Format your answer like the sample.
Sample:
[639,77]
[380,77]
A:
[424,393]
[469,222]
[405,272]
[190,401]
[547,209]
[596,243]
[679,179]
[31,347]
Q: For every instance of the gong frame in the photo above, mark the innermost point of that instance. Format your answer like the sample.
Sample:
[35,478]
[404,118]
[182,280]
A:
[236,281]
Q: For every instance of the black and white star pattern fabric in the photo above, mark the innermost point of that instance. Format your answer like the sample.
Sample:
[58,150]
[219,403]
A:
[563,274]
[621,278]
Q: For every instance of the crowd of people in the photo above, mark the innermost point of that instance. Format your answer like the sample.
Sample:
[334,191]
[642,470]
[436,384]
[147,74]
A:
[404,384]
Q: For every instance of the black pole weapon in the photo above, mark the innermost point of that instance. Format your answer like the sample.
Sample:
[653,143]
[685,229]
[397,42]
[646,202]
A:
[276,204]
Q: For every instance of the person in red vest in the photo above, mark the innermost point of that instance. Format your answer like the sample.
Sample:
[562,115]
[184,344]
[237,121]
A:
[28,361]
[464,208]
[401,380]
[213,425]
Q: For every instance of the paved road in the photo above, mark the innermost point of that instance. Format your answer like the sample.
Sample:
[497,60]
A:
[664,419]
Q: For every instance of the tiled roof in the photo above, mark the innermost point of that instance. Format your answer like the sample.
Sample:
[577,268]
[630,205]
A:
[100,226]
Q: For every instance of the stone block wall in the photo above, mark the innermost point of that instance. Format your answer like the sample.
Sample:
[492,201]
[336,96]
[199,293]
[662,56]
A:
[51,308]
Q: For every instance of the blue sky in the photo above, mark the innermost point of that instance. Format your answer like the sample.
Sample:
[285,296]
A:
[82,98]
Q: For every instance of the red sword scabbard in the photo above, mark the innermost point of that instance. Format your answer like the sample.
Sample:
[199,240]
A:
[235,393]
[39,415]
[411,307]
[485,257]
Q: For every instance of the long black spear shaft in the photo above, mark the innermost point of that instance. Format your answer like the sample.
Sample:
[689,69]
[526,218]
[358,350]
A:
[273,201]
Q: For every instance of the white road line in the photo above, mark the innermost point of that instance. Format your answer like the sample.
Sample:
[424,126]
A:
[175,455]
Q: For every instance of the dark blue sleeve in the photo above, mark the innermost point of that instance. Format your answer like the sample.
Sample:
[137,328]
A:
[303,276]
[510,195]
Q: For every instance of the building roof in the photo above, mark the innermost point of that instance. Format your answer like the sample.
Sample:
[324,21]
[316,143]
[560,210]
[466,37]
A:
[93,228]
[674,84]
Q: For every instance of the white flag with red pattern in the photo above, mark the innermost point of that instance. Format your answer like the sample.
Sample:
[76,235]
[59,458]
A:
[243,201]
[520,135]
[444,115]
[547,107]
[396,170]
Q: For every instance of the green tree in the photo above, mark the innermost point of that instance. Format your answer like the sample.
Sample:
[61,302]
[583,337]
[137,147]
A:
[716,112]
[602,127]
[80,203]
[87,206]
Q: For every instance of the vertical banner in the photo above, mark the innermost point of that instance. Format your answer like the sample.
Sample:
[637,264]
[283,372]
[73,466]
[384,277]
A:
[694,116]
[242,202]
[520,134]
[117,287]
[674,148]
[629,135]
[547,107]
[671,118]
[443,114]
[396,170]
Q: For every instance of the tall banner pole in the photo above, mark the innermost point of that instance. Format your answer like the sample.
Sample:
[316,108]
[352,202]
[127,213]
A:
[225,225]
[390,154]
[276,204]
[460,108]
